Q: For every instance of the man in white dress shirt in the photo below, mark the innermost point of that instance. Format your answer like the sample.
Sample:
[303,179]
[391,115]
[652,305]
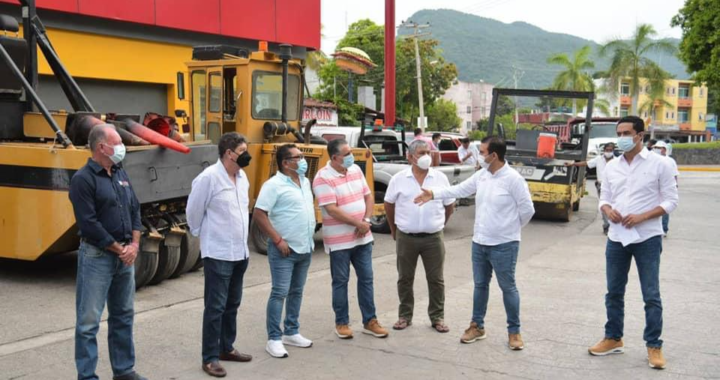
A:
[217,212]
[638,189]
[418,231]
[661,148]
[503,205]
[468,153]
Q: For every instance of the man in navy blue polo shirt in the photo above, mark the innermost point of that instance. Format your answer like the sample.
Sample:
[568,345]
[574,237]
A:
[108,217]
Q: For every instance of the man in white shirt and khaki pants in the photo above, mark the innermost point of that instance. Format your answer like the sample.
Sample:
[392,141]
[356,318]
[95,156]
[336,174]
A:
[503,205]
[638,189]
[217,212]
[418,232]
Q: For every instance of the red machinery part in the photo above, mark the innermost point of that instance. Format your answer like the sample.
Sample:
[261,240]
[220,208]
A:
[154,137]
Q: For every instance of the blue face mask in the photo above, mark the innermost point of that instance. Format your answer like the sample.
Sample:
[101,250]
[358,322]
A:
[302,168]
[626,143]
[348,161]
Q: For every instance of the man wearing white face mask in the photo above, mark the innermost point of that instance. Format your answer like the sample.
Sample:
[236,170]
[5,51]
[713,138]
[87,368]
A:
[503,205]
[108,217]
[599,164]
[286,214]
[418,232]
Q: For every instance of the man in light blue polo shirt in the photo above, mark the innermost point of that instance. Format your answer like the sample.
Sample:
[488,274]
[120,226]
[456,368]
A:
[285,213]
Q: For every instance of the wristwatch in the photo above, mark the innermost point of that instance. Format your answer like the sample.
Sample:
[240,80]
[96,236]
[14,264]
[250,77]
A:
[367,220]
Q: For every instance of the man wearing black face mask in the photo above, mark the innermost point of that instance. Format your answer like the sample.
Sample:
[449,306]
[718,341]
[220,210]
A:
[217,212]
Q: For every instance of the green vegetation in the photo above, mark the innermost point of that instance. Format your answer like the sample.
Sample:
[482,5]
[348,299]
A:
[630,60]
[442,116]
[486,49]
[700,44]
[705,145]
[367,36]
[575,75]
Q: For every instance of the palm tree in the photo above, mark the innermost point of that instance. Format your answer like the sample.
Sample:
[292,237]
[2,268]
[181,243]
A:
[575,76]
[655,97]
[630,61]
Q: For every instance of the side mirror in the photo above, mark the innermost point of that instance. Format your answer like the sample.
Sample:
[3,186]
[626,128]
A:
[181,85]
[180,113]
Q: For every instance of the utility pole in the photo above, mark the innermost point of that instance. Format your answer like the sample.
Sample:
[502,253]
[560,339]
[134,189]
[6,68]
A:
[418,65]
[517,75]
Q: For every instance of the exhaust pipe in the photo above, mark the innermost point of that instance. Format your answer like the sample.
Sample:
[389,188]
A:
[285,56]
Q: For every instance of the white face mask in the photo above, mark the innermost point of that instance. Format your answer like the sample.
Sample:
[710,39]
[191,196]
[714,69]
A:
[609,154]
[424,162]
[118,154]
[483,164]
[658,151]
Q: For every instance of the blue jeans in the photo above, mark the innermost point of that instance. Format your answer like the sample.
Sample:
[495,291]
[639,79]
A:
[223,293]
[502,258]
[361,259]
[647,259]
[288,280]
[666,222]
[101,278]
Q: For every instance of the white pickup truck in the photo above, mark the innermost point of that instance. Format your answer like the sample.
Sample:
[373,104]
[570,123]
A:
[389,158]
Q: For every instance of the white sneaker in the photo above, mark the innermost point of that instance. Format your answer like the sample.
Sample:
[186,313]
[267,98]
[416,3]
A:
[276,349]
[296,340]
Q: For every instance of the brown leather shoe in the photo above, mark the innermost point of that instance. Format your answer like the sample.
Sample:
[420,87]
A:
[235,356]
[214,369]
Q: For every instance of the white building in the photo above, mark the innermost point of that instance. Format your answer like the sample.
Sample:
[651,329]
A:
[473,102]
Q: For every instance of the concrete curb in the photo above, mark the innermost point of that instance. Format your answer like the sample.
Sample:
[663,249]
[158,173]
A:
[700,169]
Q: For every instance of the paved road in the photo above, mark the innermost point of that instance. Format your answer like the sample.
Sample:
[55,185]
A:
[560,276]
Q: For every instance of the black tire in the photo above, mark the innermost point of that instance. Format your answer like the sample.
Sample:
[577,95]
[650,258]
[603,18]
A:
[168,260]
[146,264]
[198,264]
[576,206]
[259,239]
[189,253]
[379,224]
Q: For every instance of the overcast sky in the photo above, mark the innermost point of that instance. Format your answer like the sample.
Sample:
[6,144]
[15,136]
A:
[594,20]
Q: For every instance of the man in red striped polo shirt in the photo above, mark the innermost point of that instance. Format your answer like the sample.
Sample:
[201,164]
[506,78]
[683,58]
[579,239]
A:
[347,204]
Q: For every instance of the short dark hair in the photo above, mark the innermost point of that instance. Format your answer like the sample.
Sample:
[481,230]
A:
[465,140]
[230,140]
[652,141]
[334,146]
[638,123]
[609,144]
[436,135]
[496,145]
[417,131]
[282,154]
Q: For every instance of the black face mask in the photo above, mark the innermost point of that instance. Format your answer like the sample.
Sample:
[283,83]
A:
[243,160]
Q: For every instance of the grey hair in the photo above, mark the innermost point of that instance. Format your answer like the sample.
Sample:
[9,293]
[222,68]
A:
[334,146]
[98,134]
[416,144]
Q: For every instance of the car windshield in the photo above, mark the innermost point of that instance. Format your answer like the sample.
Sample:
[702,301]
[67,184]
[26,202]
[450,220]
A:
[383,145]
[267,96]
[600,130]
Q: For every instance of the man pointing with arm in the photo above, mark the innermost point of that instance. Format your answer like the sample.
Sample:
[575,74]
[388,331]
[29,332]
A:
[502,207]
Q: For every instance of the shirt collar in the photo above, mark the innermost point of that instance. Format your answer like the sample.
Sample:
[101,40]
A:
[97,168]
[643,154]
[499,171]
[221,170]
[336,173]
[409,172]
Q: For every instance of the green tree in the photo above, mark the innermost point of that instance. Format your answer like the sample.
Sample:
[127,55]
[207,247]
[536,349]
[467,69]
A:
[442,116]
[575,76]
[700,44]
[437,74]
[629,60]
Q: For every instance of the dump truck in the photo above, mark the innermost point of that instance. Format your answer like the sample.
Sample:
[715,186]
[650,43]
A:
[257,94]
[555,188]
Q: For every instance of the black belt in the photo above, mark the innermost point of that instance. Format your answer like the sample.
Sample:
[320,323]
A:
[420,234]
[86,241]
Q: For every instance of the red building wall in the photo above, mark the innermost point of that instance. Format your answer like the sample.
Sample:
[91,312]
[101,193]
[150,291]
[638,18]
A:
[296,22]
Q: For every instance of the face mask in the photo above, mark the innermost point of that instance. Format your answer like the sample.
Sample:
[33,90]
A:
[348,161]
[609,154]
[483,164]
[302,168]
[243,160]
[626,143]
[658,151]
[118,154]
[424,162]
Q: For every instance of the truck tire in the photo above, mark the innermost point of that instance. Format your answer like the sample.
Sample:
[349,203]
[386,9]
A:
[146,262]
[189,253]
[198,264]
[379,224]
[259,239]
[576,206]
[168,258]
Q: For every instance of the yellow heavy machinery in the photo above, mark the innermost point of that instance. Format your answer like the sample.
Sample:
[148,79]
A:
[257,94]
